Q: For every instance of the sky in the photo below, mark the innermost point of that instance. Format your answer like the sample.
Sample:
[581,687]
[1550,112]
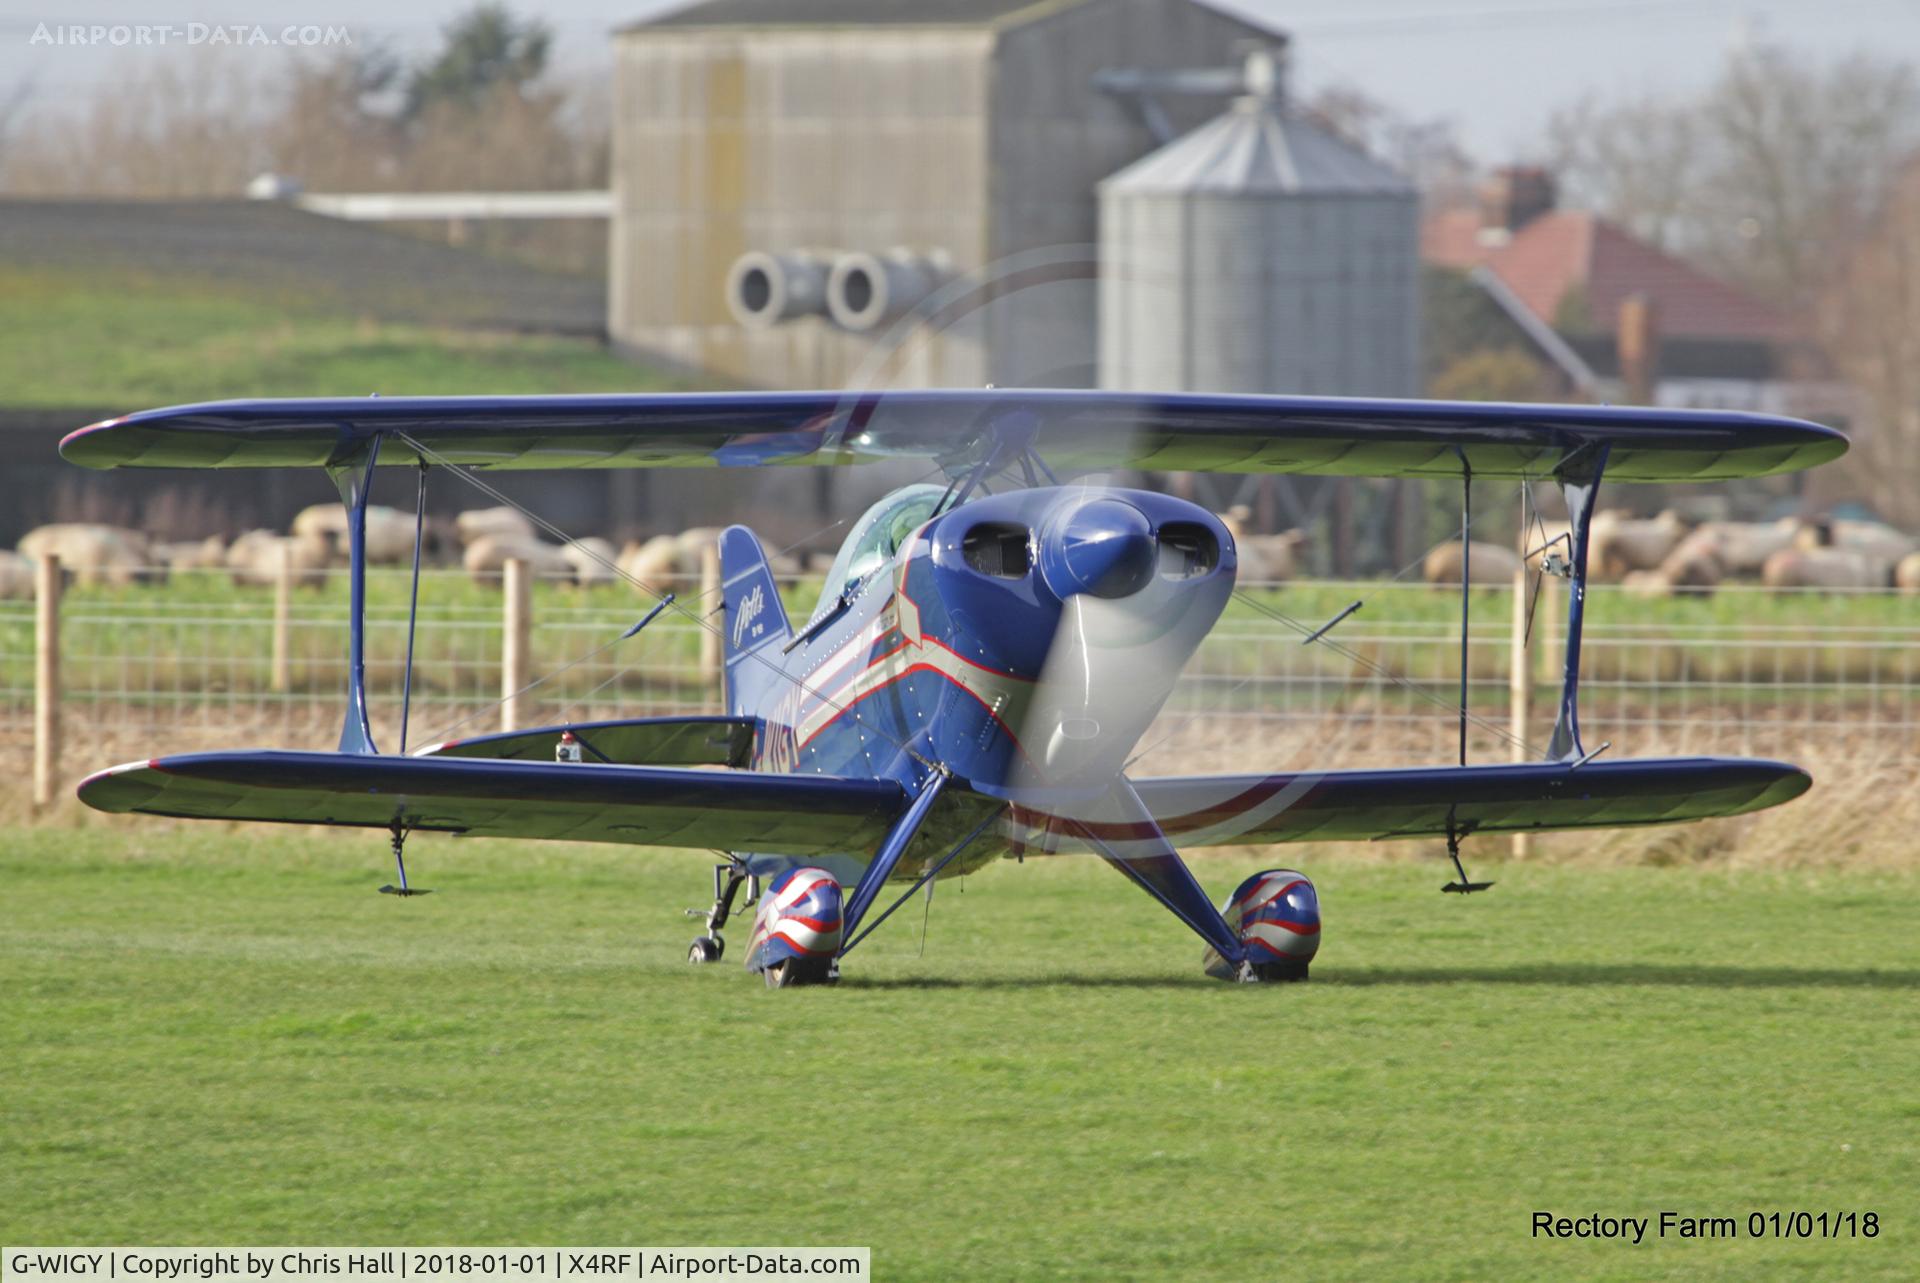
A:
[1496,69]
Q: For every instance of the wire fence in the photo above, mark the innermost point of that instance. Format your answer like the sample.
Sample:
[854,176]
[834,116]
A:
[197,663]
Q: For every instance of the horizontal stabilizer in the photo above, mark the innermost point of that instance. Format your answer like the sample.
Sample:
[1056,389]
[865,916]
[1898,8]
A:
[643,805]
[1073,431]
[1423,802]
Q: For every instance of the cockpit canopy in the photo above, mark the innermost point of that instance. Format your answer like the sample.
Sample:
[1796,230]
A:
[877,536]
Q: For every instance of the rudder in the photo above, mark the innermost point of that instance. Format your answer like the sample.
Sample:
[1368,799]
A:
[755,619]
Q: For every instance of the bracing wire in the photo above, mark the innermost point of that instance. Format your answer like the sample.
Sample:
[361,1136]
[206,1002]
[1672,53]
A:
[1318,636]
[1382,671]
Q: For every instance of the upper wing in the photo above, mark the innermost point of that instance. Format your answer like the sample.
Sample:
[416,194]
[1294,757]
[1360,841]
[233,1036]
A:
[651,806]
[1326,806]
[1073,432]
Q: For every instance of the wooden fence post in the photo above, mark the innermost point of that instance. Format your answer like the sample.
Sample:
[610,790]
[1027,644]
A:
[46,680]
[280,676]
[516,582]
[1547,649]
[709,605]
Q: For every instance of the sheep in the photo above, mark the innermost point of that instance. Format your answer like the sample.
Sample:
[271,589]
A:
[195,554]
[254,559]
[1493,564]
[16,576]
[1619,542]
[670,562]
[1906,576]
[1263,558]
[477,523]
[389,533]
[91,553]
[592,560]
[1825,568]
[488,555]
[1271,558]
[655,563]
[1742,547]
[1693,566]
[1873,538]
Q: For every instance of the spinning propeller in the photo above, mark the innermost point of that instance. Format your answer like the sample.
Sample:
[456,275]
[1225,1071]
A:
[1136,601]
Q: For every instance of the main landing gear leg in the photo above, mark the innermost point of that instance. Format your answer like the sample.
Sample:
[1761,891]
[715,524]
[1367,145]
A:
[726,885]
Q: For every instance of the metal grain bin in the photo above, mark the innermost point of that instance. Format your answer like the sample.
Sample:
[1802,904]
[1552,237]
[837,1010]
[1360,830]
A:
[1259,253]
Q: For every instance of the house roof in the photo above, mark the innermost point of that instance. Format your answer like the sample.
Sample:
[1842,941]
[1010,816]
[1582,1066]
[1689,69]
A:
[1566,253]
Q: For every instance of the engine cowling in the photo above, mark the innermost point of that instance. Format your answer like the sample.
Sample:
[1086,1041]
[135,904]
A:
[1276,914]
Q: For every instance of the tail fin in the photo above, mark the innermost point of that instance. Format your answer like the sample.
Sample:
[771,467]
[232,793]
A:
[755,620]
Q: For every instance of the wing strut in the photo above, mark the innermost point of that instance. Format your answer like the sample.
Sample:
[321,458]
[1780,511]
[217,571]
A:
[898,839]
[1158,870]
[1579,477]
[1466,589]
[353,474]
[933,871]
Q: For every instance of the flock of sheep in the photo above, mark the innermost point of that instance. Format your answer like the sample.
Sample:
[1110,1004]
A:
[1653,556]
[482,541]
[1661,555]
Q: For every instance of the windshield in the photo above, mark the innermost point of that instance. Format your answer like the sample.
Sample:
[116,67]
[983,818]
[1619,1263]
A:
[877,536]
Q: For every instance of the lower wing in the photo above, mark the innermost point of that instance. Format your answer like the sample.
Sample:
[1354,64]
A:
[486,797]
[1338,806]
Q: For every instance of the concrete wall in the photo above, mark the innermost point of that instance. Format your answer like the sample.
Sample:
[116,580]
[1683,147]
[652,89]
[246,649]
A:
[728,140]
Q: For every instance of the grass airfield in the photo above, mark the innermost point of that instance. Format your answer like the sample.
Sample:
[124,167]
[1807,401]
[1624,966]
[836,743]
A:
[224,1036]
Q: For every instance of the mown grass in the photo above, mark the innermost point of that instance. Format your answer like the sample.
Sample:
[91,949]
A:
[223,1036]
[73,336]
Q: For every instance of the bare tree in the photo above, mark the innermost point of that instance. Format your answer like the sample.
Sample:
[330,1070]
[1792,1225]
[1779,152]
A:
[1871,325]
[1428,152]
[1764,177]
[178,128]
[1636,162]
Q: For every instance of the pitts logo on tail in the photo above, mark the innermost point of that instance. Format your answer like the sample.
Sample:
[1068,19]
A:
[751,607]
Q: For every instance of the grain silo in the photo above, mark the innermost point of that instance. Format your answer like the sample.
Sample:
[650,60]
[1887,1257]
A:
[1259,253]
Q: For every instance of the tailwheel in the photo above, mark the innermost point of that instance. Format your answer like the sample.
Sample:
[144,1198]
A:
[801,971]
[727,880]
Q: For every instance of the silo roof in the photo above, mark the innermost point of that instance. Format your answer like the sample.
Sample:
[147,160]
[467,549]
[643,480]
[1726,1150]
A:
[1257,148]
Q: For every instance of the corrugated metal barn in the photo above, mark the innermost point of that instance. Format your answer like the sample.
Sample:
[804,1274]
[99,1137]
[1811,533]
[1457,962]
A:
[836,163]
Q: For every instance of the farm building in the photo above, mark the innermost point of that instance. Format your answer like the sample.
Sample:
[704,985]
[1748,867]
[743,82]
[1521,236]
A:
[791,176]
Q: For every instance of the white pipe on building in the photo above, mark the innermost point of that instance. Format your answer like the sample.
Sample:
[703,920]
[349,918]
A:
[765,289]
[868,290]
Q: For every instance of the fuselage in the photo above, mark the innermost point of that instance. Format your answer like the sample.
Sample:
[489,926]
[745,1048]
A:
[1021,639]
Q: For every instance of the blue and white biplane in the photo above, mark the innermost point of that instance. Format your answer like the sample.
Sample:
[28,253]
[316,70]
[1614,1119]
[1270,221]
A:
[984,660]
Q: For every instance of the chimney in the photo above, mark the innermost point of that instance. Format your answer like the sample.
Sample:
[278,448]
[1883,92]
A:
[1514,196]
[1637,341]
